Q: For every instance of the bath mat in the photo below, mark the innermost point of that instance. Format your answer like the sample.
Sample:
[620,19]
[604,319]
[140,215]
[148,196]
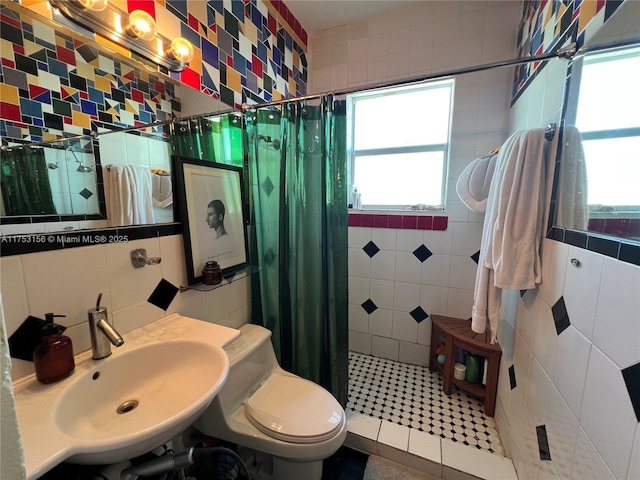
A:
[379,468]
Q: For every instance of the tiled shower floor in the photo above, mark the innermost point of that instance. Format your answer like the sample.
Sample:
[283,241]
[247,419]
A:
[412,396]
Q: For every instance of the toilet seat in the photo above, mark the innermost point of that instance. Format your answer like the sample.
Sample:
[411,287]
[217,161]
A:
[294,410]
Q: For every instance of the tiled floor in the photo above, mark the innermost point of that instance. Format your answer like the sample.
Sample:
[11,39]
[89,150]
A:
[398,411]
[411,396]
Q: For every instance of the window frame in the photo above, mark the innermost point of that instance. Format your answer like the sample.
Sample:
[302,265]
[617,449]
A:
[445,148]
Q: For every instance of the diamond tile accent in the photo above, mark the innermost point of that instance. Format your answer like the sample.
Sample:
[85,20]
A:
[418,314]
[371,249]
[422,253]
[560,316]
[476,257]
[512,377]
[369,306]
[543,443]
[163,294]
[86,194]
[267,186]
[631,377]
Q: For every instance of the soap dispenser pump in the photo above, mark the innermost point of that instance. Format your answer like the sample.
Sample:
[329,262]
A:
[53,358]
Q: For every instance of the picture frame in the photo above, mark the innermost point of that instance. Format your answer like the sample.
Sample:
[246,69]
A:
[210,203]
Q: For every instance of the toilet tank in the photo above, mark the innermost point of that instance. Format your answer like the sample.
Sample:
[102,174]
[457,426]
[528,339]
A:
[251,361]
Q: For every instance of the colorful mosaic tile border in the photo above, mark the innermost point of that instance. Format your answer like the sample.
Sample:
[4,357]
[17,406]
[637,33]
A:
[54,84]
[547,24]
[404,222]
[245,50]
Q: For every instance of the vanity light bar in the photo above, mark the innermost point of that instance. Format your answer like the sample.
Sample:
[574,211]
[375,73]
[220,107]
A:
[114,24]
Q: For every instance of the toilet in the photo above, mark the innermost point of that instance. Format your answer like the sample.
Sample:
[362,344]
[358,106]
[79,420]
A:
[261,407]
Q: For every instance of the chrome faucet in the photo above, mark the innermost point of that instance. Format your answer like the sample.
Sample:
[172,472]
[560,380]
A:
[103,335]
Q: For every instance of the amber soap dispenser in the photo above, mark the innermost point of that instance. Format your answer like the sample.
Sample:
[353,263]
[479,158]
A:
[53,358]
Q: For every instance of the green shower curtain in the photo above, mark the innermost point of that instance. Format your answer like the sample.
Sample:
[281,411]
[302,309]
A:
[25,182]
[217,138]
[297,166]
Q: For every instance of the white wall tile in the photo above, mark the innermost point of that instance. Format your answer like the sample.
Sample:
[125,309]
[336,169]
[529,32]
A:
[14,295]
[409,240]
[67,282]
[521,362]
[459,303]
[617,326]
[360,342]
[406,296]
[129,285]
[438,242]
[408,268]
[544,343]
[358,289]
[381,323]
[381,292]
[587,462]
[436,270]
[581,288]
[607,415]
[384,347]
[463,272]
[359,262]
[383,265]
[384,238]
[634,466]
[466,238]
[405,327]
[537,394]
[562,430]
[358,319]
[554,265]
[414,353]
[135,316]
[569,370]
[188,303]
[434,300]
[359,236]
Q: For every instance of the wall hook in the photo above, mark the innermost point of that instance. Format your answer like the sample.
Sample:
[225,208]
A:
[575,262]
[139,258]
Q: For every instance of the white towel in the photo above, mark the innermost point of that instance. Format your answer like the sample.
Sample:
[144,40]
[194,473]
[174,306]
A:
[572,209]
[475,181]
[513,227]
[128,194]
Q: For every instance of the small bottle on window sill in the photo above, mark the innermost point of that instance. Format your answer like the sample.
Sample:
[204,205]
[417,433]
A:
[211,274]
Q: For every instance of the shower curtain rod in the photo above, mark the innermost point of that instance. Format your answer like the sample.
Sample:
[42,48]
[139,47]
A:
[566,53]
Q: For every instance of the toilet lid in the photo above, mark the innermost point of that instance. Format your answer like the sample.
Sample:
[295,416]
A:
[294,410]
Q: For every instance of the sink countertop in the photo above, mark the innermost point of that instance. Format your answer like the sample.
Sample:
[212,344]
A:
[44,444]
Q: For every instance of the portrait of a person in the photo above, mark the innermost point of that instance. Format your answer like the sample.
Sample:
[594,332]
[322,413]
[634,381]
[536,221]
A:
[215,217]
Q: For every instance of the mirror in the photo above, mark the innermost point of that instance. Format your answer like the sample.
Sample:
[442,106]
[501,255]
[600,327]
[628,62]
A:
[69,113]
[55,179]
[598,166]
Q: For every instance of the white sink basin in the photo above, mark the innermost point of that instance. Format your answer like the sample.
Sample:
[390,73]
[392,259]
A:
[149,390]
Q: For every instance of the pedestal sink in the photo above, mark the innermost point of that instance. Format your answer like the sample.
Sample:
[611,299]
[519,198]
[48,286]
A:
[110,410]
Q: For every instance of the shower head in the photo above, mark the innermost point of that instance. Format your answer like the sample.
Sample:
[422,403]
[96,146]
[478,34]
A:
[84,169]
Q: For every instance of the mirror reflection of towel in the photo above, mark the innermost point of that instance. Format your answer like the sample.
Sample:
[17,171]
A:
[572,211]
[127,190]
[162,190]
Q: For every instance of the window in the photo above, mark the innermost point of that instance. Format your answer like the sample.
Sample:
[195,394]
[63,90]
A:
[608,120]
[399,145]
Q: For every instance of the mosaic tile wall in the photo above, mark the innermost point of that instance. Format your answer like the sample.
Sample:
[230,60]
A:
[53,82]
[546,25]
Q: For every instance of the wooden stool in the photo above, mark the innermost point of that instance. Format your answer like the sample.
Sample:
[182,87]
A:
[457,333]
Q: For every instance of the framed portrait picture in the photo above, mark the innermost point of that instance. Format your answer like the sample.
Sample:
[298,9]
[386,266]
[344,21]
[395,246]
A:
[210,204]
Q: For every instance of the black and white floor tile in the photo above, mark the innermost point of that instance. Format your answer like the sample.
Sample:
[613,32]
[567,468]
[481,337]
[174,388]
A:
[412,396]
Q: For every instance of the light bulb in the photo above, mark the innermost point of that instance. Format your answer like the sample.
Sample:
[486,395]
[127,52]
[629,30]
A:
[95,5]
[181,49]
[141,25]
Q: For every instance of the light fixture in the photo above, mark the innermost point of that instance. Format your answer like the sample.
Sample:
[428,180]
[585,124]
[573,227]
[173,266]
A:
[141,25]
[136,31]
[181,49]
